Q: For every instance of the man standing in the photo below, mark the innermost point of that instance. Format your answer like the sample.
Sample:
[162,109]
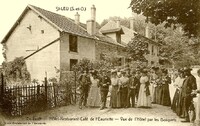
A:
[137,79]
[132,90]
[189,84]
[85,82]
[104,83]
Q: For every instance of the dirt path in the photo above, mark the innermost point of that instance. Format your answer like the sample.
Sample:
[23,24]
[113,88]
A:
[72,116]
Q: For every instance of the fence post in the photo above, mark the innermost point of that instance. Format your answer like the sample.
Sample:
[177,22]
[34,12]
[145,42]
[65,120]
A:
[45,85]
[2,88]
[54,93]
[75,86]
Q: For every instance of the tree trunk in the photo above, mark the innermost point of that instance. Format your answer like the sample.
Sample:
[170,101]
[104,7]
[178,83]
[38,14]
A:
[198,15]
[197,121]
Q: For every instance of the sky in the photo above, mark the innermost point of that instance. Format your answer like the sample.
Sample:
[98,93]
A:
[10,10]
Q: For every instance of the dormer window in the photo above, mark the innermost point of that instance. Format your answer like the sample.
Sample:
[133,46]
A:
[73,46]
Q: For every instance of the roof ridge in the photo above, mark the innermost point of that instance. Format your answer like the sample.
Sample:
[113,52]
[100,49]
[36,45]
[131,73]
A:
[129,29]
[75,23]
[70,19]
[35,9]
[46,10]
[63,23]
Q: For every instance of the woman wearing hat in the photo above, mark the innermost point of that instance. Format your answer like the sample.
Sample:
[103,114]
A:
[154,81]
[123,83]
[165,95]
[144,98]
[115,95]
[176,102]
[94,93]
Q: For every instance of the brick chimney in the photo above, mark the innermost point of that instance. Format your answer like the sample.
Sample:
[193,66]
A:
[118,22]
[90,27]
[91,24]
[77,18]
[93,13]
[118,34]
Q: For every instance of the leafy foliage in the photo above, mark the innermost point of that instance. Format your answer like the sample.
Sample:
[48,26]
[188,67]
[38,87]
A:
[179,50]
[35,81]
[123,21]
[86,64]
[185,12]
[16,71]
[137,48]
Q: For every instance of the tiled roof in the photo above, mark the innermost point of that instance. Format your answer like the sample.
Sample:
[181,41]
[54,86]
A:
[128,33]
[64,23]
[68,25]
[108,39]
[110,25]
[112,30]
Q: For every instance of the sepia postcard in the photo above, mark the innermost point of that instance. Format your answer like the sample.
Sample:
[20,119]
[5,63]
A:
[41,84]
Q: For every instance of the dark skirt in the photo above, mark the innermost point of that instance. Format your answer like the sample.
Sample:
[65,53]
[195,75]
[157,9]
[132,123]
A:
[115,98]
[175,101]
[165,95]
[179,109]
[124,95]
[158,91]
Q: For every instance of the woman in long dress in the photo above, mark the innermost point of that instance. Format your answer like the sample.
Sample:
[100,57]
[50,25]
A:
[94,93]
[158,87]
[165,95]
[153,84]
[176,102]
[123,86]
[144,98]
[115,94]
[179,100]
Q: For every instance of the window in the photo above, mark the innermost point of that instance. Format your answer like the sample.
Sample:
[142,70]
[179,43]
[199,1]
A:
[157,51]
[152,62]
[72,63]
[119,63]
[73,43]
[42,31]
[152,51]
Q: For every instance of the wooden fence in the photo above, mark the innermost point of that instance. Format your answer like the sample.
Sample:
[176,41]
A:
[21,100]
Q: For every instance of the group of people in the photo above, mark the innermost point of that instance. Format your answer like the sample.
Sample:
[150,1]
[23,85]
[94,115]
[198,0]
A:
[159,86]
[137,88]
[182,104]
[125,87]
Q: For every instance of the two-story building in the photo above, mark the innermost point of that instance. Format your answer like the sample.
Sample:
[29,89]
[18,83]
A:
[113,29]
[50,41]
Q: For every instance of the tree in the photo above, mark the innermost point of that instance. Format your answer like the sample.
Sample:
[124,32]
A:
[173,12]
[139,24]
[137,48]
[16,71]
[179,50]
[123,21]
[86,64]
